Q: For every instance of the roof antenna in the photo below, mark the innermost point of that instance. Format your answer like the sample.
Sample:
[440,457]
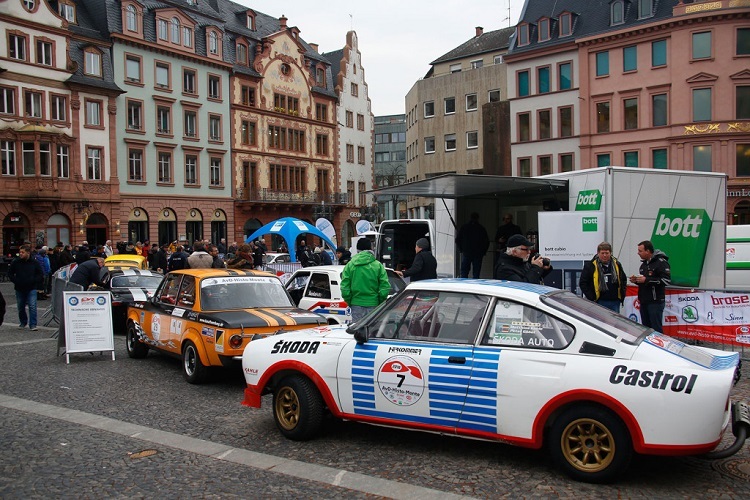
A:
[351,22]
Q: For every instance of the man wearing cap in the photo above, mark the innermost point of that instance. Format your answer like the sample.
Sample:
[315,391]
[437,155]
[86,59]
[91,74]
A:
[515,265]
[364,282]
[343,256]
[424,266]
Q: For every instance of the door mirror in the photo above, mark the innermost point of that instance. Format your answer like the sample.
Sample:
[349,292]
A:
[360,334]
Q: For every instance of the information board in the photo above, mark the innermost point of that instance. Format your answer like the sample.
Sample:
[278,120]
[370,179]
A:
[88,322]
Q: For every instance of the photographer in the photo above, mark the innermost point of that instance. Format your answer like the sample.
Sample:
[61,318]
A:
[516,264]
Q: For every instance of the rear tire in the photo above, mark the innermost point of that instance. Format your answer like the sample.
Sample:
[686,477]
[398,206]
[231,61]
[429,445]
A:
[194,371]
[298,408]
[136,348]
[590,444]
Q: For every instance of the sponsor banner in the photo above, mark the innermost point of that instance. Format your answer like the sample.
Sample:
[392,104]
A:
[707,315]
[570,235]
[682,234]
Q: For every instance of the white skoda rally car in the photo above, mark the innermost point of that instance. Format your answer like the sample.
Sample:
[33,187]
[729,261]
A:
[522,364]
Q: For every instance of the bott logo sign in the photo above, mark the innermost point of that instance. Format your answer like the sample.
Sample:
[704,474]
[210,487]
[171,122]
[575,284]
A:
[589,200]
[682,234]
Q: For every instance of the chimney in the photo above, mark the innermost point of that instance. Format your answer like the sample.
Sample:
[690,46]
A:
[314,46]
[480,30]
[282,22]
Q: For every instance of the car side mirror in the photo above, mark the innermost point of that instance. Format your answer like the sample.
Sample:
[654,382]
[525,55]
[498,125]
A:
[360,334]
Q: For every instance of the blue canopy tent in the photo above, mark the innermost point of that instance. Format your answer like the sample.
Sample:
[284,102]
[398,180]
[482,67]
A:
[290,228]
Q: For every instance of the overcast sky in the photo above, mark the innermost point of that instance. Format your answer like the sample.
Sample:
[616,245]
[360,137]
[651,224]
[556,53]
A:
[397,38]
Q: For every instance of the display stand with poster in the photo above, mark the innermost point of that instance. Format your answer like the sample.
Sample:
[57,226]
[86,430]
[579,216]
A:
[88,323]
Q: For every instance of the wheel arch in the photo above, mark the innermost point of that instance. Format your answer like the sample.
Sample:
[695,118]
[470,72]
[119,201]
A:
[193,336]
[278,371]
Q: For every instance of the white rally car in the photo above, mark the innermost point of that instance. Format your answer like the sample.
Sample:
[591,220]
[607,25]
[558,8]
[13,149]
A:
[512,362]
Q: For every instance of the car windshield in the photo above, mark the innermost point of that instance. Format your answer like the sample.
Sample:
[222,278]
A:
[136,281]
[242,292]
[601,318]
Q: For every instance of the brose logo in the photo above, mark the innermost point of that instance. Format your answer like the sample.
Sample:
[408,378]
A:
[730,301]
[690,227]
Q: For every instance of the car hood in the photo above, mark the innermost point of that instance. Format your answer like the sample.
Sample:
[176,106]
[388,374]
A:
[259,317]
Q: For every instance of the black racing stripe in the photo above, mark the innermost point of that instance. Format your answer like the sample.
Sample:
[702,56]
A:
[232,272]
[282,318]
[235,319]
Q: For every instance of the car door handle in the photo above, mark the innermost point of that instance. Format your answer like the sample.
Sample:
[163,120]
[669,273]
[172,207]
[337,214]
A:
[459,360]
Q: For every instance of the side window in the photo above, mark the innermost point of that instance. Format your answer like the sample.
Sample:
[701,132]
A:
[513,324]
[296,286]
[283,258]
[168,294]
[319,286]
[186,298]
[435,316]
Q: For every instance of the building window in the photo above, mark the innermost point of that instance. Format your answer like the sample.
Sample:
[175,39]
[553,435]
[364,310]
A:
[645,8]
[702,105]
[702,158]
[743,160]
[477,64]
[542,80]
[493,96]
[659,110]
[188,81]
[213,43]
[524,167]
[94,163]
[17,47]
[429,144]
[133,69]
[602,63]
[59,108]
[524,127]
[350,153]
[702,45]
[33,105]
[630,58]
[250,22]
[288,179]
[187,36]
[27,152]
[242,54]
[163,29]
[248,96]
[449,105]
[320,77]
[450,142]
[321,112]
[659,158]
[523,35]
[7,101]
[742,96]
[214,127]
[565,24]
[497,59]
[215,172]
[743,41]
[354,89]
[631,159]
[191,125]
[630,113]
[617,13]
[360,121]
[45,159]
[543,30]
[566,121]
[92,63]
[471,102]
[523,83]
[472,140]
[67,11]
[566,162]
[362,195]
[321,144]
[162,76]
[135,165]
[44,53]
[361,155]
[8,157]
[174,30]
[93,113]
[163,120]
[543,117]
[350,192]
[659,53]
[165,167]
[191,169]
[602,117]
[63,162]
[545,165]
[247,133]
[455,68]
[429,109]
[564,76]
[603,160]
[135,115]
[214,87]
[130,18]
[349,119]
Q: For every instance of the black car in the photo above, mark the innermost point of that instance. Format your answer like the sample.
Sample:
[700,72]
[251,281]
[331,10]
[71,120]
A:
[128,286]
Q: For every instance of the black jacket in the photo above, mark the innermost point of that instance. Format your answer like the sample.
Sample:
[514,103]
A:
[26,274]
[87,273]
[472,239]
[424,267]
[178,260]
[160,261]
[516,269]
[658,276]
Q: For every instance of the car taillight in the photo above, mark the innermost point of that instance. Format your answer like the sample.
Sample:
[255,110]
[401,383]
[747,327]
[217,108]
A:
[235,341]
[116,303]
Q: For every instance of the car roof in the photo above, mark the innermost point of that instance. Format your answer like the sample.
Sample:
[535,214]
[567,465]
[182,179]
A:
[484,286]
[215,272]
[125,257]
[331,268]
[132,271]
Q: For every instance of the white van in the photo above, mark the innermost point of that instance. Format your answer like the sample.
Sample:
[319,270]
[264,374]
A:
[738,257]
[398,237]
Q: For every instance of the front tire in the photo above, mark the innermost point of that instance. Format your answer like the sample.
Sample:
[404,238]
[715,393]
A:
[136,348]
[298,408]
[590,444]
[194,371]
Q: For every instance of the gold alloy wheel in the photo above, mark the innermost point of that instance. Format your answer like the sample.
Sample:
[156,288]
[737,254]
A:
[287,408]
[588,445]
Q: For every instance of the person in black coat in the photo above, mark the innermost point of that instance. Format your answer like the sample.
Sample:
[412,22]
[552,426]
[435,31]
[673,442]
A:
[424,266]
[83,254]
[26,274]
[90,272]
[343,256]
[178,260]
[514,264]
[472,241]
[160,259]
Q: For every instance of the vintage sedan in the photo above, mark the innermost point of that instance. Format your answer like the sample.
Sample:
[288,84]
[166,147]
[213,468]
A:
[126,261]
[318,289]
[207,317]
[512,362]
[128,286]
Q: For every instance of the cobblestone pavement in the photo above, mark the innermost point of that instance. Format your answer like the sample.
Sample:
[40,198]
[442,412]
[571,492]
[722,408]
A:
[46,454]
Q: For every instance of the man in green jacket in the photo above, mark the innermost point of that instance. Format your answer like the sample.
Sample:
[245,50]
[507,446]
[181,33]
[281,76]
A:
[364,282]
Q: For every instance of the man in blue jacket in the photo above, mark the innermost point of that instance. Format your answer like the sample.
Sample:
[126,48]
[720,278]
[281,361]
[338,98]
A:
[26,275]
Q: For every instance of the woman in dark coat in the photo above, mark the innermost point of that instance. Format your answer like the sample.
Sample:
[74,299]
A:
[243,259]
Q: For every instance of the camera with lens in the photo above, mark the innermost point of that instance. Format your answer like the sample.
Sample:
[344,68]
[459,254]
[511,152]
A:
[545,260]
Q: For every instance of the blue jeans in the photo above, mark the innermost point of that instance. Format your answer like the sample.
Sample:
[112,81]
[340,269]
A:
[24,299]
[610,304]
[359,312]
[651,314]
[475,262]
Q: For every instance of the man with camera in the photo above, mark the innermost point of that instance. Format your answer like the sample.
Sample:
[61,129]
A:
[517,263]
